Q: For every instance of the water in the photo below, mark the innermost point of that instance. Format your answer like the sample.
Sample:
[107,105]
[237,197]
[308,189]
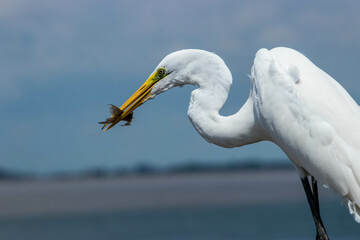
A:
[279,221]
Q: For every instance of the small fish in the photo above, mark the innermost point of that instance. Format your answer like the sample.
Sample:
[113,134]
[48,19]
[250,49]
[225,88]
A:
[115,115]
[128,119]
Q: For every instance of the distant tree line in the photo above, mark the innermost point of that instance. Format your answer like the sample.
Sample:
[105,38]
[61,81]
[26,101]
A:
[190,166]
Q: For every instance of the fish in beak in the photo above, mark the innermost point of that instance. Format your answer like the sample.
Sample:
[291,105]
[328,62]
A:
[125,112]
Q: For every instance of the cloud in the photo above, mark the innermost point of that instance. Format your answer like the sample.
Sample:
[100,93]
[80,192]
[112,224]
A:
[63,61]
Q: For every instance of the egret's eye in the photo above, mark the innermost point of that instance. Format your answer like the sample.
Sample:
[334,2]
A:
[161,72]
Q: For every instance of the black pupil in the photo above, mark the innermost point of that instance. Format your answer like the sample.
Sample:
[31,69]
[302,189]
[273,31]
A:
[161,71]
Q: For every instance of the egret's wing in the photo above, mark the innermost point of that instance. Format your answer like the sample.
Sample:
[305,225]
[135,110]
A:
[311,117]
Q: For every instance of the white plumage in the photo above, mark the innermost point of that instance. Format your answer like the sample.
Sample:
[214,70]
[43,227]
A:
[312,119]
[292,103]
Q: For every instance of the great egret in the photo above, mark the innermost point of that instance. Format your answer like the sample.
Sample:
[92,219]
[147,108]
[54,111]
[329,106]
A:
[292,103]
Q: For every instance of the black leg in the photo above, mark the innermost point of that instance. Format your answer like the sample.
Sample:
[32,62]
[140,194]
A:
[315,194]
[314,188]
[320,229]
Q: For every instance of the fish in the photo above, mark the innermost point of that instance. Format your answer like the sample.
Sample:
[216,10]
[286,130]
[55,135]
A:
[115,115]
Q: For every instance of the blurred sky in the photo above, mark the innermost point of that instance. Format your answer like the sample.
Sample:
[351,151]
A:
[61,62]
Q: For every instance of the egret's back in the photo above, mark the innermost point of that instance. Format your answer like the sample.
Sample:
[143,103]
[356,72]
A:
[311,117]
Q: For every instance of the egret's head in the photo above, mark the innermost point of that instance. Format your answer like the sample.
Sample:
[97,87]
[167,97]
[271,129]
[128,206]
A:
[176,69]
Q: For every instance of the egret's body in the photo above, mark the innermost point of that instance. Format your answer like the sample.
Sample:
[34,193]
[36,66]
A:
[311,118]
[292,103]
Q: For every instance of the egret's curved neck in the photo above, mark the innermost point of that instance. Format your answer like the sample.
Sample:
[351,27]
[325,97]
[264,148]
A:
[226,131]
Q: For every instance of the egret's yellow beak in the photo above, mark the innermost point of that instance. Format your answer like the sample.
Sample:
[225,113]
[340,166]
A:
[138,98]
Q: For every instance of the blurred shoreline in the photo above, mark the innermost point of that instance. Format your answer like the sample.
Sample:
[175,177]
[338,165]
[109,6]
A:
[153,190]
[189,166]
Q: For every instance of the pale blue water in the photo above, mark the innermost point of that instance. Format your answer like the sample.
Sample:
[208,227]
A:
[285,221]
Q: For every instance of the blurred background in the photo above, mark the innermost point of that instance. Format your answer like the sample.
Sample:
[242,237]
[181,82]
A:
[62,62]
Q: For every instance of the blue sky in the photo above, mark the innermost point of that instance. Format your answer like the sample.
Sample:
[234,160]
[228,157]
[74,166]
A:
[63,61]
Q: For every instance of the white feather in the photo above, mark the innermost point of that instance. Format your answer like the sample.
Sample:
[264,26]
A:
[292,103]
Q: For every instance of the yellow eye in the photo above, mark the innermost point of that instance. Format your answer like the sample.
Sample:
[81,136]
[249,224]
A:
[161,71]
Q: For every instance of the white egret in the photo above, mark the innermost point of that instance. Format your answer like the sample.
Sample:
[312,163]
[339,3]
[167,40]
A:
[292,103]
